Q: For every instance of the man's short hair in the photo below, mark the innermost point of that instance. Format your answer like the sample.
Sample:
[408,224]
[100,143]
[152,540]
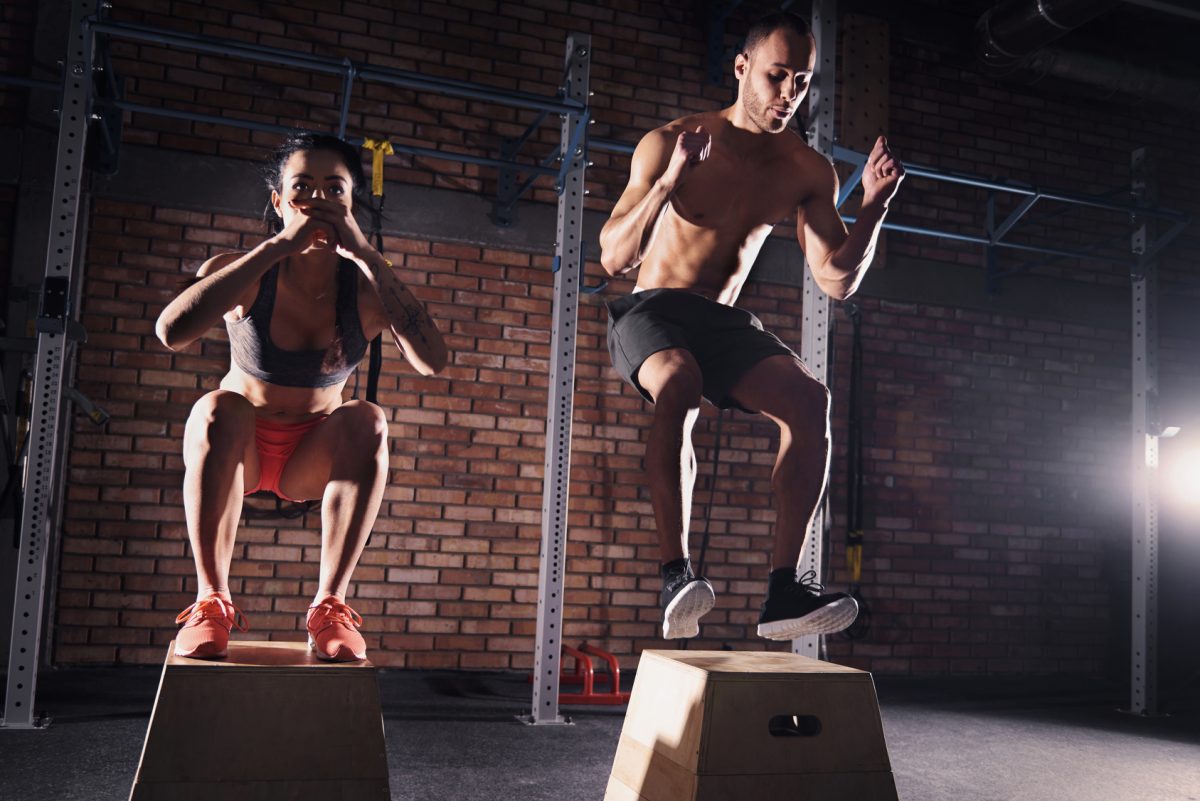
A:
[765,26]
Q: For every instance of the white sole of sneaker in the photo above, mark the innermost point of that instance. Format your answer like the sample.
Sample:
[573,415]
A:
[221,655]
[830,619]
[312,646]
[681,619]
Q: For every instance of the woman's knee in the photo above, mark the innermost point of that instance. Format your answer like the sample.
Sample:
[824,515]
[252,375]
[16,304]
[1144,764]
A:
[221,418]
[363,425]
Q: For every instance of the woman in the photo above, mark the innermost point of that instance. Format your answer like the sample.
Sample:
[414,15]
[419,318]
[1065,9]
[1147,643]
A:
[300,309]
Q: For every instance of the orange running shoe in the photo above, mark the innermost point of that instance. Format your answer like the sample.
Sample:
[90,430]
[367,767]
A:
[333,632]
[206,626]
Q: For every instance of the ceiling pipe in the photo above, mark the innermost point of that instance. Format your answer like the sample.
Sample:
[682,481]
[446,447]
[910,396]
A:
[1174,9]
[1011,30]
[1012,39]
[1109,77]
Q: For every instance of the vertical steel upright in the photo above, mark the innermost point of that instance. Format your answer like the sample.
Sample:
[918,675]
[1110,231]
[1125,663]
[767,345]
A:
[53,351]
[814,343]
[1143,696]
[568,263]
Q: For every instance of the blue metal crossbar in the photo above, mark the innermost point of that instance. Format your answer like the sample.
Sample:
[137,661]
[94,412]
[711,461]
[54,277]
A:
[1030,196]
[854,157]
[352,71]
[278,56]
[31,83]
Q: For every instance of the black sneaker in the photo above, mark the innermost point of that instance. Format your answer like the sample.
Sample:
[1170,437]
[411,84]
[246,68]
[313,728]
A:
[685,599]
[797,608]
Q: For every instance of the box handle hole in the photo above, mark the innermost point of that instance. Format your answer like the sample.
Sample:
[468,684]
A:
[794,726]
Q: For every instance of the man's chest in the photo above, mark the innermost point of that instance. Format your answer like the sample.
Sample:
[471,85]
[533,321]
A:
[725,192]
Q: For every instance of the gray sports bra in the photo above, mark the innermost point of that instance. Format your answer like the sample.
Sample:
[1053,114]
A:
[255,354]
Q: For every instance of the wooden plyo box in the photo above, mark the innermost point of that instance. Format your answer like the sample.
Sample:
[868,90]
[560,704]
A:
[741,726]
[269,722]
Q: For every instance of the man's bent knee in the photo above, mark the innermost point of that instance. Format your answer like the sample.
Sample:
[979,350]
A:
[679,395]
[807,404]
[673,379]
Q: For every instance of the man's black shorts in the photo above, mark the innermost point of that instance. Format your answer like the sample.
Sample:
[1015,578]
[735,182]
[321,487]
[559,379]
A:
[726,341]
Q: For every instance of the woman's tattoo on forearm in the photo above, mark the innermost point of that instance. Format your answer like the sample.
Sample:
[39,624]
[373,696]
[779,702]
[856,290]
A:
[407,318]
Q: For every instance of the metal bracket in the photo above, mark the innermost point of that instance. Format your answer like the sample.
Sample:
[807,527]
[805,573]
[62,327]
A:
[104,151]
[508,192]
[506,186]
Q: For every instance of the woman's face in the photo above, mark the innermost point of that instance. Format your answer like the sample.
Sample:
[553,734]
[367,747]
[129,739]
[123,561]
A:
[312,173]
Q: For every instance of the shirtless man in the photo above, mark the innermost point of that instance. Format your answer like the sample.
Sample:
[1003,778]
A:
[703,195]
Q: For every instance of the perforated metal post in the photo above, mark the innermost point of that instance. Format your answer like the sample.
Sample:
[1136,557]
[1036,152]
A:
[41,467]
[1143,696]
[567,279]
[814,343]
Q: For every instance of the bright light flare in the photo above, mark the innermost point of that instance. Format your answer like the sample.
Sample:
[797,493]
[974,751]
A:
[1182,476]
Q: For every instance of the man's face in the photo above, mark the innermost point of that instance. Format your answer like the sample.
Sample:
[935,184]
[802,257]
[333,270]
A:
[774,78]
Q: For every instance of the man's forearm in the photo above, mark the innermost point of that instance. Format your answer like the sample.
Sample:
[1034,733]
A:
[848,264]
[625,240]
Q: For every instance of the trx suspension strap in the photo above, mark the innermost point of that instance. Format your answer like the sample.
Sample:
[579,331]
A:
[712,488]
[379,148]
[854,478]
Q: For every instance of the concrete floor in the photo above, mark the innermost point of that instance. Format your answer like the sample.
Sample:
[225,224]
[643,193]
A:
[453,736]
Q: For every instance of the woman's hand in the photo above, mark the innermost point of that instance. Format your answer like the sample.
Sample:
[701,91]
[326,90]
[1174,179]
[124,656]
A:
[338,219]
[304,231]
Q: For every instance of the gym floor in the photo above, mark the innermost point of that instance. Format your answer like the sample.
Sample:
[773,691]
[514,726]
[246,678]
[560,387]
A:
[453,735]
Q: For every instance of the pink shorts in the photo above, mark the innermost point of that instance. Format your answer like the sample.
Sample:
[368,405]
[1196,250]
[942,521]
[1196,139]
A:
[276,442]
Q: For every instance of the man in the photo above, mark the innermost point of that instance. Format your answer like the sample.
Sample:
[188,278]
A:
[703,195]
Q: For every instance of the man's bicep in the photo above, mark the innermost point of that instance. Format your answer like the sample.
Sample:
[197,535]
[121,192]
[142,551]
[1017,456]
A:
[819,226]
[649,162]
[633,194]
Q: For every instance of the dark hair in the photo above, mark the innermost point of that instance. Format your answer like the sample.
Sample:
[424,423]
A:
[302,142]
[765,26]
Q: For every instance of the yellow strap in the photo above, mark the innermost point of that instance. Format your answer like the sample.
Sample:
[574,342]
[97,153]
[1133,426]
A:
[854,562]
[379,148]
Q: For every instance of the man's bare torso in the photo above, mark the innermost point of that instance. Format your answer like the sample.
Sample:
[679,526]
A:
[717,221]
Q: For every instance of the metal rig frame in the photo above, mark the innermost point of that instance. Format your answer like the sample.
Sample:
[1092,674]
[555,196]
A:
[568,281]
[814,337]
[1147,429]
[57,329]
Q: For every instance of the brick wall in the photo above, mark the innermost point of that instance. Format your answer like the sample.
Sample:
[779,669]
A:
[17,20]
[8,214]
[985,547]
[996,525]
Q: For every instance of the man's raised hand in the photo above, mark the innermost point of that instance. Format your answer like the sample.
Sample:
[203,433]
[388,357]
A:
[691,148]
[881,175]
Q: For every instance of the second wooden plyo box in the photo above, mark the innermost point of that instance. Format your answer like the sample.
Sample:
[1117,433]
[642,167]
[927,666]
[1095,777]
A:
[728,725]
